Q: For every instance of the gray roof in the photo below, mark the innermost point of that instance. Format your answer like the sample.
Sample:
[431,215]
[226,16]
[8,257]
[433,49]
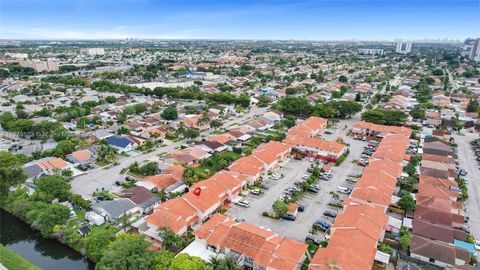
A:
[115,208]
[33,170]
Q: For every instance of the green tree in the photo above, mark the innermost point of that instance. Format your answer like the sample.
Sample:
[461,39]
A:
[54,187]
[186,262]
[407,202]
[170,113]
[473,106]
[215,124]
[110,99]
[54,215]
[294,105]
[417,112]
[97,241]
[191,133]
[343,79]
[171,241]
[127,252]
[106,153]
[280,208]
[385,117]
[405,239]
[438,72]
[11,173]
[162,259]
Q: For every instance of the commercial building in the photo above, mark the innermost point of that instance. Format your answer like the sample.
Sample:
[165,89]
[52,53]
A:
[371,51]
[39,66]
[403,47]
[471,49]
[92,51]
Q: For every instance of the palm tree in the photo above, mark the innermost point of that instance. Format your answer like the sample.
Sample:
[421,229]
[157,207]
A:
[229,264]
[215,262]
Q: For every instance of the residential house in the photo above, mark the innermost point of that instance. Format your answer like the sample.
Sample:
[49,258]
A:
[111,210]
[121,144]
[81,157]
[250,246]
[142,198]
[438,253]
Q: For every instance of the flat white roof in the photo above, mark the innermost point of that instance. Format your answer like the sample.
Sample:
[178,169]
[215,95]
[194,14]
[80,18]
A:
[198,249]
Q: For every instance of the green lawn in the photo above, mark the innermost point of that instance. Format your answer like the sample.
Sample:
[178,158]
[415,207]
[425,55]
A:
[13,261]
[102,163]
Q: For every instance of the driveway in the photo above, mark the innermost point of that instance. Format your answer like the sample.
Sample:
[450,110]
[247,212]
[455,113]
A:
[467,161]
[315,203]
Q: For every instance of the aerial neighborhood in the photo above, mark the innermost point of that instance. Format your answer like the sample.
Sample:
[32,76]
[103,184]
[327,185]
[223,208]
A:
[148,154]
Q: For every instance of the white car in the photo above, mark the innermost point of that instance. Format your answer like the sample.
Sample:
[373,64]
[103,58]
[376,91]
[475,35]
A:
[477,245]
[243,203]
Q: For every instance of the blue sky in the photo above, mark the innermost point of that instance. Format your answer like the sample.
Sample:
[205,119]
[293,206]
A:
[228,19]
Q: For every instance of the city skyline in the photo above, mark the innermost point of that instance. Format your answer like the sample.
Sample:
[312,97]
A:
[260,20]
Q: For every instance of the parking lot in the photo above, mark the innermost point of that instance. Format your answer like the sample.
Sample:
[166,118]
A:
[315,203]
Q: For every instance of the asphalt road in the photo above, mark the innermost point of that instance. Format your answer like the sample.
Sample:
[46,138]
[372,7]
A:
[88,183]
[467,161]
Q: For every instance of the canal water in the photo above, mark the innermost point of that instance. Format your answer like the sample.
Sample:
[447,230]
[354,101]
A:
[48,254]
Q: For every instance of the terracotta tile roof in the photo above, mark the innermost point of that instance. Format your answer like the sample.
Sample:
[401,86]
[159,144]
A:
[316,143]
[342,253]
[310,127]
[247,166]
[170,176]
[432,157]
[438,182]
[369,220]
[437,250]
[174,214]
[82,155]
[222,138]
[271,152]
[383,129]
[264,247]
[161,181]
[54,164]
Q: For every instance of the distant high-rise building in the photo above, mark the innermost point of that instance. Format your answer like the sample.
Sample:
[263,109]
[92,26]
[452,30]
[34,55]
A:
[92,51]
[404,47]
[39,66]
[471,49]
[371,51]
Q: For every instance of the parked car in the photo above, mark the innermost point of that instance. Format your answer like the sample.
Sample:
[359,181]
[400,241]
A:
[322,225]
[243,203]
[263,186]
[313,189]
[311,238]
[310,170]
[324,178]
[301,208]
[330,214]
[343,190]
[462,172]
[477,245]
[289,217]
[239,219]
[255,191]
[352,180]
